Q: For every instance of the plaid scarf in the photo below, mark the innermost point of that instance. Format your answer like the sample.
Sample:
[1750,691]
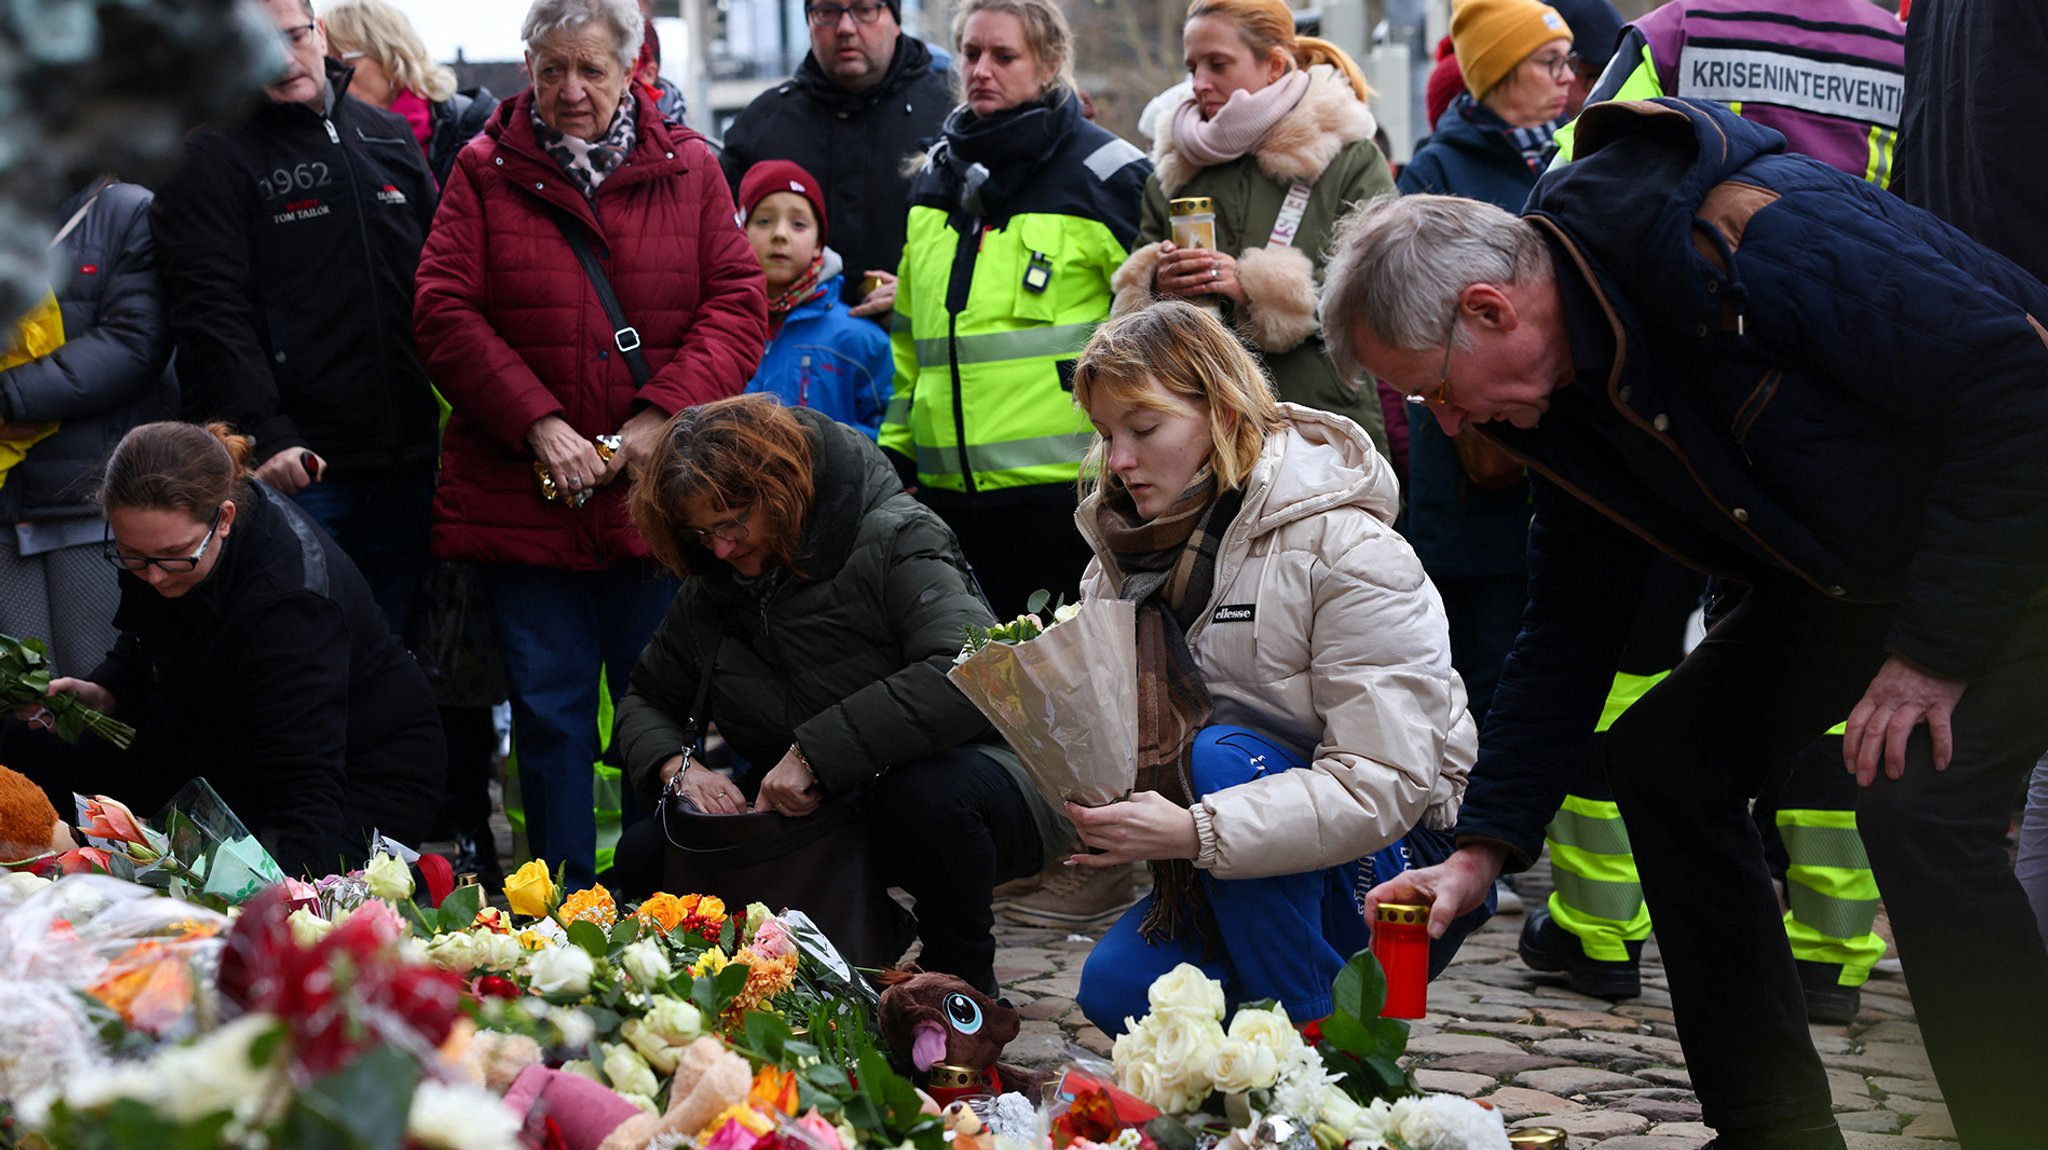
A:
[588,162]
[1167,566]
[797,294]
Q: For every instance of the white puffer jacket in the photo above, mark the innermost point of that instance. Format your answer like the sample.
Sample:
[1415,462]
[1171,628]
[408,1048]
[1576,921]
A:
[1323,632]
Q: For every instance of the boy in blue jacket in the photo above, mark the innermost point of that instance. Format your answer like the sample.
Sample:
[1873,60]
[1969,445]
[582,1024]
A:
[819,356]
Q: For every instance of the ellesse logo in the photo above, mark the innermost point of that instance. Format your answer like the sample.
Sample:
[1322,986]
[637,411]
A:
[1234,613]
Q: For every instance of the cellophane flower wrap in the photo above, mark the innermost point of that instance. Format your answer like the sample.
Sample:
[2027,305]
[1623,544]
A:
[1065,699]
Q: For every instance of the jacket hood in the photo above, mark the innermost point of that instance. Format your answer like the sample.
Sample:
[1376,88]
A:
[1314,462]
[1676,151]
[912,60]
[1298,148]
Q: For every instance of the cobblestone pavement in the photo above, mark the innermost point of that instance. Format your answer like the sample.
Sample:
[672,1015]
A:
[1610,1074]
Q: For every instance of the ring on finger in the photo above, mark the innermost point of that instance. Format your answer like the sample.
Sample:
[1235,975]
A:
[1213,273]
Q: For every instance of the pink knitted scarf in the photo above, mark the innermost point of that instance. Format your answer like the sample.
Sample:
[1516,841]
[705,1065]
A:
[1239,125]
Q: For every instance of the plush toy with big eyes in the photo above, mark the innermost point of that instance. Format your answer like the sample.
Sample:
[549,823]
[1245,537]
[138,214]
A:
[946,1031]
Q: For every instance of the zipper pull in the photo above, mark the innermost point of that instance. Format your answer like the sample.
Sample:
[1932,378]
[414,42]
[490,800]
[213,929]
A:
[332,135]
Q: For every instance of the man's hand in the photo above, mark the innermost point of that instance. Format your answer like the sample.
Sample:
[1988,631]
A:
[1146,826]
[789,787]
[880,301]
[637,439]
[1450,888]
[292,470]
[571,459]
[1900,698]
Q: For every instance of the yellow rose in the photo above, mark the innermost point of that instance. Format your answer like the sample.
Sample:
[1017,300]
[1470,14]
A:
[531,890]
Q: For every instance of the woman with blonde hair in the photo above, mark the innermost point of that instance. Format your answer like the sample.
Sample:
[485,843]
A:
[1300,730]
[394,72]
[1276,141]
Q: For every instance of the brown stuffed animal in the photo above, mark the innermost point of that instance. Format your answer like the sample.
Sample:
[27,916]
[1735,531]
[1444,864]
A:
[29,825]
[948,1032]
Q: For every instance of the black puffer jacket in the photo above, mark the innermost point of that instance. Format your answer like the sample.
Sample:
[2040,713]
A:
[289,245]
[279,682]
[456,121]
[110,374]
[847,657]
[856,142]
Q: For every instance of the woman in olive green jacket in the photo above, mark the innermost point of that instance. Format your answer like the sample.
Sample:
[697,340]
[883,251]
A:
[829,605]
[1270,113]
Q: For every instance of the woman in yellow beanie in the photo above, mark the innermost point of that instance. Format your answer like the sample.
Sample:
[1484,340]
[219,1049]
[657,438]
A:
[1468,519]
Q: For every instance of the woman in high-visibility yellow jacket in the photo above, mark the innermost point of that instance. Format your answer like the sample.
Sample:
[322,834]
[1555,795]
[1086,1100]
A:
[1021,213]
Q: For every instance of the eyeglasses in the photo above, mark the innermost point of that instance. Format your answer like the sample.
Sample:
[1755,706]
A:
[732,530]
[1558,67]
[296,35]
[1442,395]
[351,57]
[1583,68]
[827,15]
[176,566]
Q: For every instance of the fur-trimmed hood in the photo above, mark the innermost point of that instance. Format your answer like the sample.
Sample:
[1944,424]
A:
[1329,116]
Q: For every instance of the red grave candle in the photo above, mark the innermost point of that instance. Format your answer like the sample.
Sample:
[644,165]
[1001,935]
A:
[1400,940]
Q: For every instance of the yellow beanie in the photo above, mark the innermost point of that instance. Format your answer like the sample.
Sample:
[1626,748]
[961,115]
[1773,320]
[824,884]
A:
[1492,37]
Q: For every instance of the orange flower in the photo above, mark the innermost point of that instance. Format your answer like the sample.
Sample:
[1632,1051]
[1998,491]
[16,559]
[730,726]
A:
[106,818]
[664,911]
[773,1090]
[766,978]
[593,906]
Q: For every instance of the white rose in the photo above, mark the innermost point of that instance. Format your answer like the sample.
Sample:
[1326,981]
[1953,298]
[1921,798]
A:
[561,971]
[675,1020]
[1142,1079]
[627,1072]
[213,1074]
[18,885]
[1134,1047]
[1445,1122]
[460,1117]
[1186,988]
[307,928]
[497,951]
[1184,1046]
[1342,1113]
[1267,1028]
[388,878]
[1239,1065]
[649,1044]
[646,963]
[453,952]
[585,1068]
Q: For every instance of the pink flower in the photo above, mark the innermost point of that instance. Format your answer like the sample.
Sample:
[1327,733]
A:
[772,940]
[106,818]
[732,1136]
[82,860]
[823,1132]
[298,894]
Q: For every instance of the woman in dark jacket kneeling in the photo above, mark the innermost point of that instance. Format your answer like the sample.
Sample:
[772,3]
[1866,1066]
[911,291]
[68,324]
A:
[829,605]
[250,654]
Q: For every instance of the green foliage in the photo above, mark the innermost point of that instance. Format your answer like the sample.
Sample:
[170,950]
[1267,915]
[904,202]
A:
[459,909]
[1357,1041]
[591,938]
[25,682]
[361,1106]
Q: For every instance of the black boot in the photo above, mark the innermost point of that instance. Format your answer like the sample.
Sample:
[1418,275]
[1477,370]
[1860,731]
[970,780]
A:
[1828,1002]
[1550,947]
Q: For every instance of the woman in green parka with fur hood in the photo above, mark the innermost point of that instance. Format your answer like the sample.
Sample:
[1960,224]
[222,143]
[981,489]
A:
[831,605]
[1270,112]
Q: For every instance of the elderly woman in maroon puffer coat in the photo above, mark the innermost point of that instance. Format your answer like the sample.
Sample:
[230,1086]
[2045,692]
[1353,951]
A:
[514,334]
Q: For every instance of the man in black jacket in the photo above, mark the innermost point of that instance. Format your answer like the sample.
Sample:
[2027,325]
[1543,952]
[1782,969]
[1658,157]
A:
[864,100]
[289,243]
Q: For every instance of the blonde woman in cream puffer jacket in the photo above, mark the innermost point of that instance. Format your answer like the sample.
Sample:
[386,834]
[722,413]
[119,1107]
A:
[1343,655]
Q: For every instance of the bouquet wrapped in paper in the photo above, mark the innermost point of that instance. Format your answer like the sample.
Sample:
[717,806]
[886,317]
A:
[1065,697]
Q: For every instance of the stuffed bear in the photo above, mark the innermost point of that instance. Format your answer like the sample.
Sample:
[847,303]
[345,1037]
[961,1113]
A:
[29,826]
[944,1030]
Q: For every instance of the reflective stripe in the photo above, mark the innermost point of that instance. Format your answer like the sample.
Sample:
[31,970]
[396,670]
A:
[1882,141]
[1000,346]
[1839,848]
[1839,918]
[1642,84]
[898,411]
[1623,694]
[1590,826]
[899,322]
[1617,901]
[1855,956]
[1110,158]
[1061,451]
